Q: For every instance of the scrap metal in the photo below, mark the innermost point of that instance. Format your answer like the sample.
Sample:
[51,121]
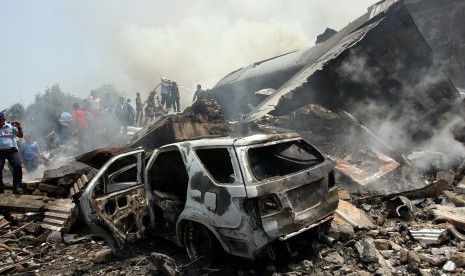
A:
[184,198]
[429,235]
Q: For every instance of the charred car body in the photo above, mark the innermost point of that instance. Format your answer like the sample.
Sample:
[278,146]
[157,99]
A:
[240,193]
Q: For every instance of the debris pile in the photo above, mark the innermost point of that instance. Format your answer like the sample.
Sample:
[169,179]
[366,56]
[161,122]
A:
[48,209]
[401,209]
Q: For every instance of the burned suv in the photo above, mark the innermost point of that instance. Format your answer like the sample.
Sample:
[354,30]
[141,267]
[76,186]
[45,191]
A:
[240,194]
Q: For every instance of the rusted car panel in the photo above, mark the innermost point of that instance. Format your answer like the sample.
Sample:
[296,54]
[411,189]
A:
[117,210]
[288,199]
[211,184]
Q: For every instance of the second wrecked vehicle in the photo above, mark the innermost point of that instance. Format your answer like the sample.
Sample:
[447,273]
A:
[239,193]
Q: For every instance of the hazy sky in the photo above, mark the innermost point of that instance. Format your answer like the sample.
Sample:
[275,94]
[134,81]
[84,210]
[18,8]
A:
[132,43]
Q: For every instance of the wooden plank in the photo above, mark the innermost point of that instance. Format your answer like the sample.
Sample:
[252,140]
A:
[79,183]
[59,209]
[3,222]
[51,227]
[85,178]
[62,204]
[54,221]
[60,214]
[57,215]
[22,202]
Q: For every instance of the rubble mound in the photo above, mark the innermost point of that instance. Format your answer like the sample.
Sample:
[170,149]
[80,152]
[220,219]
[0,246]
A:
[205,110]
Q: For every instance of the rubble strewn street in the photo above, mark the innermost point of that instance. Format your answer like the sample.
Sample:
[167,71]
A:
[400,201]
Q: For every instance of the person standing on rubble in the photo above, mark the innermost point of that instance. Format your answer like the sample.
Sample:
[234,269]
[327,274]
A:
[30,152]
[139,112]
[91,137]
[9,151]
[131,112]
[150,108]
[169,101]
[164,91]
[199,93]
[175,96]
[95,108]
[122,114]
[82,125]
[64,130]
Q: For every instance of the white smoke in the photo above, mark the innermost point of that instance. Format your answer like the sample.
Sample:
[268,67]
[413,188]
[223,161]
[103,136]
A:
[201,41]
[395,130]
[200,50]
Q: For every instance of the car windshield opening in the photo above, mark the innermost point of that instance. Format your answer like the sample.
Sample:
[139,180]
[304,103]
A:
[282,159]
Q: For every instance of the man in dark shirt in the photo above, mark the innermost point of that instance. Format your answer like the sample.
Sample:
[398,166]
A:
[199,93]
[175,95]
[139,111]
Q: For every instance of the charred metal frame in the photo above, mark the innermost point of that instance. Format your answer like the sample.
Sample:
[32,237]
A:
[230,211]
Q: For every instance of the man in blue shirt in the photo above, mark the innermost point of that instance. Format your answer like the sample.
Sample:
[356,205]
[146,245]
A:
[30,152]
[9,151]
[64,128]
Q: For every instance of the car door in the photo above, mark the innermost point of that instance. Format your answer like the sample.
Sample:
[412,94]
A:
[114,204]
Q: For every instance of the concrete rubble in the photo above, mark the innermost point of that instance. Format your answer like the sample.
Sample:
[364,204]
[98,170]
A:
[395,216]
[362,239]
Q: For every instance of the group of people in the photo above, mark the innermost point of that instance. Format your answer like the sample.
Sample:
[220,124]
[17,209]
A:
[125,114]
[169,92]
[83,121]
[94,115]
[10,150]
[170,98]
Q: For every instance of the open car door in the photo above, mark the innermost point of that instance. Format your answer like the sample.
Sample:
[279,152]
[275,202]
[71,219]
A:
[114,204]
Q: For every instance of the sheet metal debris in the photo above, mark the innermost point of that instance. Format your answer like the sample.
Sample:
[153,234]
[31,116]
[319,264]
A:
[363,177]
[401,207]
[432,190]
[429,235]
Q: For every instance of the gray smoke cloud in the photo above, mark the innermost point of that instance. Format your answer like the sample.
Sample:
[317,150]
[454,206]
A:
[396,130]
[200,51]
[197,41]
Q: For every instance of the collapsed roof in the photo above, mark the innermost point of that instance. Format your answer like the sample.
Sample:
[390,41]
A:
[376,67]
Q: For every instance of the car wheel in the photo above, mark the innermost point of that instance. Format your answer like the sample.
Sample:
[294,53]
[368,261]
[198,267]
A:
[200,244]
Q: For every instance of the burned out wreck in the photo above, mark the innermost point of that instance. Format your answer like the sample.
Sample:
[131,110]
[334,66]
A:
[241,193]
[371,98]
